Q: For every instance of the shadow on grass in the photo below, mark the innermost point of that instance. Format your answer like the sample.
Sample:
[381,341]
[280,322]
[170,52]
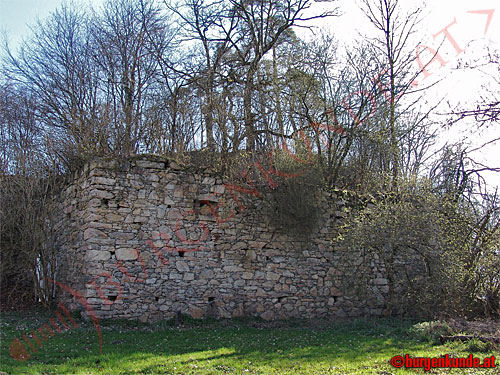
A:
[207,347]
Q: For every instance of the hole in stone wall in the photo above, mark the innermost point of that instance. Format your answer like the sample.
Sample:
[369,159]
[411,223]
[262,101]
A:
[178,317]
[280,298]
[112,298]
[202,206]
[181,253]
[104,202]
[211,300]
[156,299]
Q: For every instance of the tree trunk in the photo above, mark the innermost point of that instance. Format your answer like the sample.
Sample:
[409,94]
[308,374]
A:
[247,107]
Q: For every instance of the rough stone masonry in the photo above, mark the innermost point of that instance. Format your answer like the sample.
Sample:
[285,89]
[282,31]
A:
[146,239]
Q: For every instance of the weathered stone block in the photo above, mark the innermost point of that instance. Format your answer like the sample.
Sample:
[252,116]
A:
[206,274]
[208,181]
[97,255]
[126,254]
[335,292]
[152,177]
[93,233]
[239,245]
[247,275]
[272,276]
[232,269]
[268,315]
[384,288]
[104,181]
[380,281]
[251,256]
[150,164]
[122,235]
[260,293]
[181,266]
[259,275]
[114,218]
[219,189]
[196,312]
[239,283]
[101,194]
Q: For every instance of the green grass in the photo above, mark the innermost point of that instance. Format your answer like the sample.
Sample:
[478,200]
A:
[226,347]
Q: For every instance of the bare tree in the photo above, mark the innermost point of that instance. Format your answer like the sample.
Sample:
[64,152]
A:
[394,58]
[123,51]
[261,25]
[56,66]
[487,109]
[201,22]
[27,200]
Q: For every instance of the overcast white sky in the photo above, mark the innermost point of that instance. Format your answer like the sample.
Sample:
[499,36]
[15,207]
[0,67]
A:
[458,86]
[473,32]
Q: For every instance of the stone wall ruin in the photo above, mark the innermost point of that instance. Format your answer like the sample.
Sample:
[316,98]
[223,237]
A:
[146,239]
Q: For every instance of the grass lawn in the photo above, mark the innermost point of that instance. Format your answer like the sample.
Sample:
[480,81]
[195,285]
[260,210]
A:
[229,347]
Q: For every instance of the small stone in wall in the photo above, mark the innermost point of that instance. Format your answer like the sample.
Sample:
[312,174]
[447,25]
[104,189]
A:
[152,177]
[104,181]
[181,266]
[206,274]
[380,281]
[98,255]
[219,189]
[272,276]
[93,233]
[208,181]
[268,315]
[260,293]
[335,292]
[160,212]
[150,164]
[102,194]
[239,245]
[239,311]
[251,256]
[196,312]
[384,288]
[178,192]
[239,283]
